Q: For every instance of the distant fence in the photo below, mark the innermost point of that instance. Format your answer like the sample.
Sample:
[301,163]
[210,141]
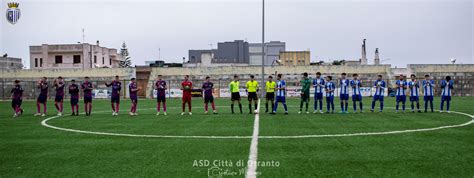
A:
[463,86]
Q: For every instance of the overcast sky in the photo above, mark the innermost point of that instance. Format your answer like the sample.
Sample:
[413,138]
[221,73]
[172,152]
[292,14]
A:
[406,31]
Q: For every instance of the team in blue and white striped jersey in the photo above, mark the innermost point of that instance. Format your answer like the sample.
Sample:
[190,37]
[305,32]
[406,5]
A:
[401,85]
[414,87]
[379,86]
[344,92]
[446,86]
[356,84]
[428,92]
[330,88]
[280,94]
[318,84]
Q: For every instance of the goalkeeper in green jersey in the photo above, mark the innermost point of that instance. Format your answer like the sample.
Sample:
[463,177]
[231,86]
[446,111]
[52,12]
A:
[305,86]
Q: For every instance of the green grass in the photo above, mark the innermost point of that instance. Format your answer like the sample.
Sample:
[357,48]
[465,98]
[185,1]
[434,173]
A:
[28,149]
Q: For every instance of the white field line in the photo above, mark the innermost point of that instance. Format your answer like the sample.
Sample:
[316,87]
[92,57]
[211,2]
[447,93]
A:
[252,167]
[44,123]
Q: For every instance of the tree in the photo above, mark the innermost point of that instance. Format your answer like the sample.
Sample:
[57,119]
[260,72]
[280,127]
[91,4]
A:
[125,62]
[338,62]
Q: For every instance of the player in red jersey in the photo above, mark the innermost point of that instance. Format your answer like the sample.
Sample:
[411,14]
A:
[186,86]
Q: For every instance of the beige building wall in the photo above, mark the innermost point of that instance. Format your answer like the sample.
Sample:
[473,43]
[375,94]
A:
[295,58]
[44,56]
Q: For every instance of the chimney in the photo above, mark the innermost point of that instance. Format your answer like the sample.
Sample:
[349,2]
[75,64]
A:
[364,54]
[377,57]
[97,43]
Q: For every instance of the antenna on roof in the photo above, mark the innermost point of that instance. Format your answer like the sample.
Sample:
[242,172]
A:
[83,36]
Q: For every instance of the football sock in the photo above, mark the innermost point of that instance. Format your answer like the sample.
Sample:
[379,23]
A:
[37,107]
[321,105]
[431,106]
[44,108]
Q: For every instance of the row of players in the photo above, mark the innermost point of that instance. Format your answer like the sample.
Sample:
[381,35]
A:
[272,88]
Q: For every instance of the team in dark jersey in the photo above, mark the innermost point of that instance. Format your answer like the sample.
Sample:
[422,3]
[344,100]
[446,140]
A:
[87,88]
[208,89]
[160,87]
[115,98]
[133,88]
[17,98]
[43,86]
[58,84]
[74,93]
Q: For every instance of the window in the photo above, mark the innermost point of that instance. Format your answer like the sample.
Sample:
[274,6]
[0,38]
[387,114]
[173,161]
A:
[76,59]
[103,60]
[110,61]
[41,62]
[58,59]
[36,62]
[95,59]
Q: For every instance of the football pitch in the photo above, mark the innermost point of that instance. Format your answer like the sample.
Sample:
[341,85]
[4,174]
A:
[365,144]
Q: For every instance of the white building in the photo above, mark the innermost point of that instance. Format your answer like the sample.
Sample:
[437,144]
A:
[272,53]
[207,59]
[73,56]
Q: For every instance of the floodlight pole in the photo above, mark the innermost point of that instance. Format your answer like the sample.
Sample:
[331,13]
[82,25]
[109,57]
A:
[263,47]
